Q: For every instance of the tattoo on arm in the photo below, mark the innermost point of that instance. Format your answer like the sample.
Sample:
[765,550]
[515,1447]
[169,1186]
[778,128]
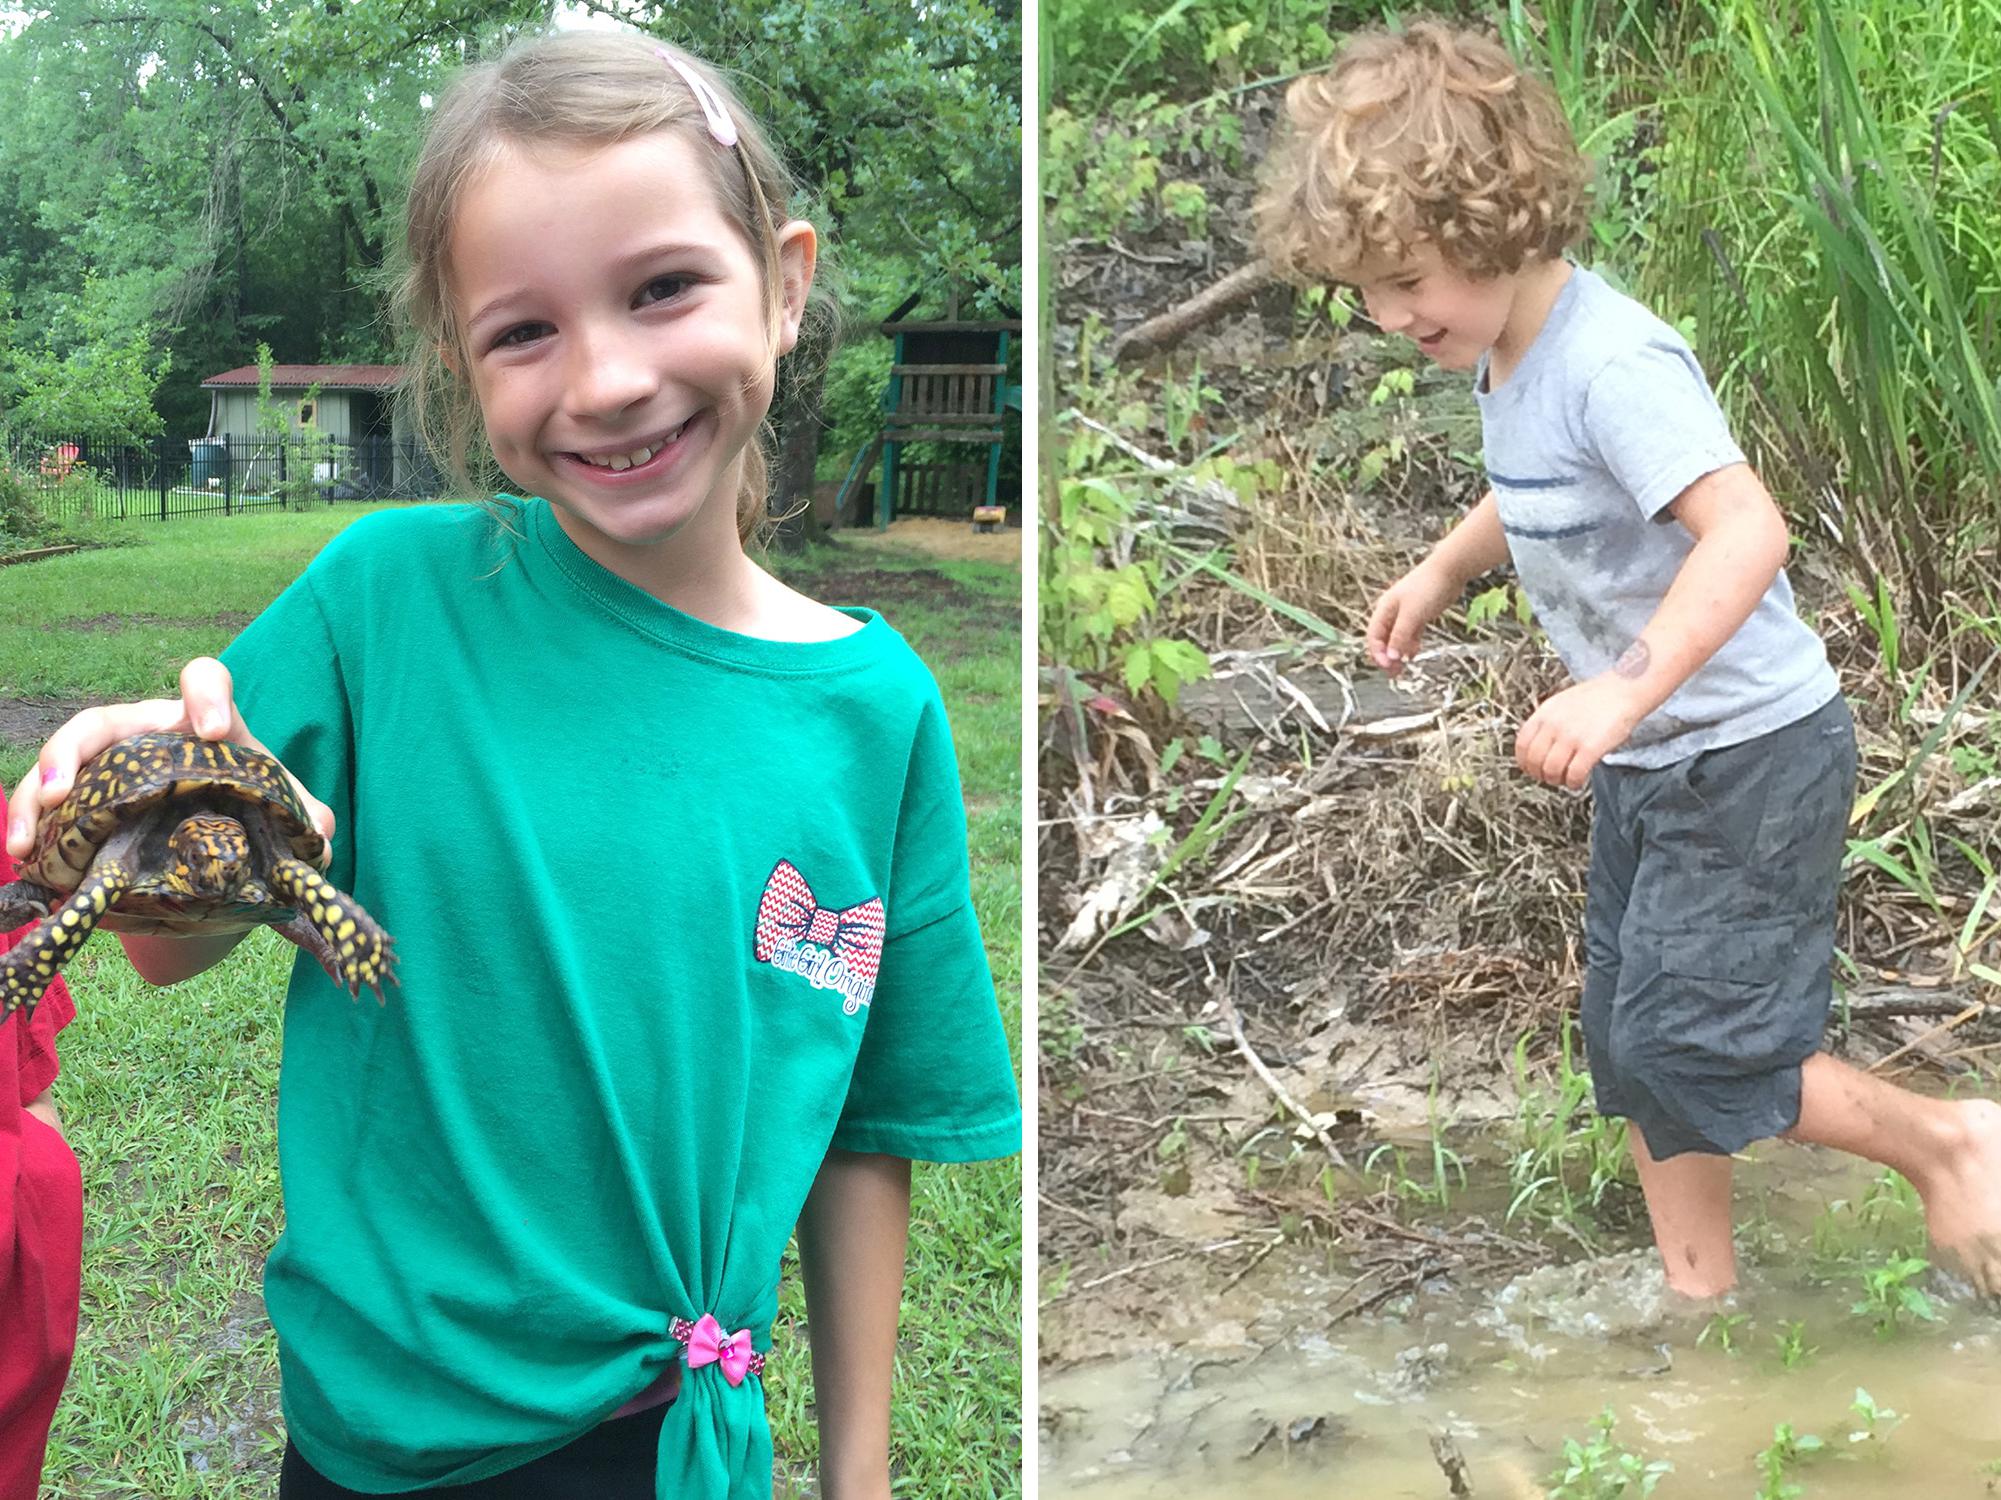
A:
[1633,665]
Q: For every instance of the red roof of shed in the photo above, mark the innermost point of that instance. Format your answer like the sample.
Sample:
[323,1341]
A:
[326,377]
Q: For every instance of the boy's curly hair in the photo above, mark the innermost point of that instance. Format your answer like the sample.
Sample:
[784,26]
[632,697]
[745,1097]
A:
[1434,134]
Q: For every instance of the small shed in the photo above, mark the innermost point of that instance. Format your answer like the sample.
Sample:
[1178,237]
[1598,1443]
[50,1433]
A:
[354,407]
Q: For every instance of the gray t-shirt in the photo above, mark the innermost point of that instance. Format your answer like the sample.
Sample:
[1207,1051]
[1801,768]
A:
[1606,420]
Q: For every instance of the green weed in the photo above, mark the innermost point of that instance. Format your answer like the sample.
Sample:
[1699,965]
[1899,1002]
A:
[1876,1423]
[1794,1350]
[1722,1330]
[1890,1301]
[1565,1156]
[1787,1452]
[1597,1468]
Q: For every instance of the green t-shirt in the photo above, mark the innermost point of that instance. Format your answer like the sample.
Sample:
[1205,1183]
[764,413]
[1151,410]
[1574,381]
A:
[676,910]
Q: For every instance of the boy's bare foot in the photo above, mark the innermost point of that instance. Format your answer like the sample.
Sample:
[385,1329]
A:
[1962,1197]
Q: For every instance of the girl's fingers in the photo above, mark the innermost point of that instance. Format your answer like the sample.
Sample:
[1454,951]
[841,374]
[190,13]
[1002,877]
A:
[75,742]
[97,729]
[206,707]
[210,696]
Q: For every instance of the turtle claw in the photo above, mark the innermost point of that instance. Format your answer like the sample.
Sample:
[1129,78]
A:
[23,901]
[349,944]
[29,968]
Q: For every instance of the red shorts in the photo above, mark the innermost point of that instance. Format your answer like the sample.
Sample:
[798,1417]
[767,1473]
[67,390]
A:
[40,1269]
[41,1239]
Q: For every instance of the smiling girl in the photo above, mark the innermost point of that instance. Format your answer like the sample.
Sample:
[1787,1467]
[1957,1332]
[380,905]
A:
[675,857]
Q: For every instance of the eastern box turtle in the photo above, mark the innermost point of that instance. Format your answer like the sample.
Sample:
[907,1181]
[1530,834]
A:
[166,833]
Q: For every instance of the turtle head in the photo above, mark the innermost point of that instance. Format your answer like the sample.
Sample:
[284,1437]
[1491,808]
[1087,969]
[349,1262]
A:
[211,855]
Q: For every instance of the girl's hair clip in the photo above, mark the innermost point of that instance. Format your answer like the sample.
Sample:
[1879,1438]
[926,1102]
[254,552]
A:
[721,126]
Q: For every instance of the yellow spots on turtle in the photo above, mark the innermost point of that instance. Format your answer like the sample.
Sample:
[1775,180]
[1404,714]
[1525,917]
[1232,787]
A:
[346,929]
[97,901]
[70,917]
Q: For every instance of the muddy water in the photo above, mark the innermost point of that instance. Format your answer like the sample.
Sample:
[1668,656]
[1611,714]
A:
[1270,1403]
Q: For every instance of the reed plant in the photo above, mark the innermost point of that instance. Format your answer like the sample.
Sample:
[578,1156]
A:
[1809,189]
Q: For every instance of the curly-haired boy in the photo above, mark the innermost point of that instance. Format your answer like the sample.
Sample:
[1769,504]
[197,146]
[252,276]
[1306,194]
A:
[1429,172]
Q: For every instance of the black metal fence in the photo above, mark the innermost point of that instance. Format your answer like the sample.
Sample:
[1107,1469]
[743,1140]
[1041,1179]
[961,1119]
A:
[83,478]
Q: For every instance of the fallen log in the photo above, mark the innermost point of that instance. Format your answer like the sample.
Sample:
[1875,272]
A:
[1184,318]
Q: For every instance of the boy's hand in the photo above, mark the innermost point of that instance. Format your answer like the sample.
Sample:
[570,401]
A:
[1404,609]
[1576,728]
[206,707]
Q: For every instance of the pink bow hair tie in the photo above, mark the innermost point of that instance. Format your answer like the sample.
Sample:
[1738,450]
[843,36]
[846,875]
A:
[707,1344]
[787,911]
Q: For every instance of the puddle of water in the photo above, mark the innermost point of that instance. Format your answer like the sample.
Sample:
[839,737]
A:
[1264,1401]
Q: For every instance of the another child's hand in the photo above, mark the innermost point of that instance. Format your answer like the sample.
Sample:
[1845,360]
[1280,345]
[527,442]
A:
[1576,728]
[206,707]
[1403,610]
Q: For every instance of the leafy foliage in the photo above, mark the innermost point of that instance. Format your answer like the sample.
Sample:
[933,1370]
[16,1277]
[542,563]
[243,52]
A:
[1597,1468]
[200,175]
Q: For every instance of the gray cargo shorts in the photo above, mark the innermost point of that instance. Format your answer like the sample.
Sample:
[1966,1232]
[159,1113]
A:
[1709,932]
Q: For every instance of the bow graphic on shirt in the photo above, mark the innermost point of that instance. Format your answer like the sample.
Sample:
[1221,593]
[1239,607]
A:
[787,912]
[707,1344]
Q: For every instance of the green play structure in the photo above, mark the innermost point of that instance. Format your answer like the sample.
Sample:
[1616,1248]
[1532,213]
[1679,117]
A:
[948,387]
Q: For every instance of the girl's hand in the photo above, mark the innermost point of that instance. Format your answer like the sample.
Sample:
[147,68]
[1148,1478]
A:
[1576,728]
[1404,609]
[206,707]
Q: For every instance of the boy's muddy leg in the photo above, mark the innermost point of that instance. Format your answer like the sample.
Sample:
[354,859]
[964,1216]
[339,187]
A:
[1688,1199]
[1949,1149]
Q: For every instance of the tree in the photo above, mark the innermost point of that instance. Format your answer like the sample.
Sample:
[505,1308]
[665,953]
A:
[230,171]
[92,374]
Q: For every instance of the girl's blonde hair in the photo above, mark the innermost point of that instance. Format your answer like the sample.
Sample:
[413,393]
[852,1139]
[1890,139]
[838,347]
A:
[1433,135]
[576,88]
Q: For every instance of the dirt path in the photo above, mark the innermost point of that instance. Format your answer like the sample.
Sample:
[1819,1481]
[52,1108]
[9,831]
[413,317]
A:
[29,721]
[934,536]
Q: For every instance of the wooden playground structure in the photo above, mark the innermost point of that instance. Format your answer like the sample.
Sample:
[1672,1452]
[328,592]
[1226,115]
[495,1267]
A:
[948,389]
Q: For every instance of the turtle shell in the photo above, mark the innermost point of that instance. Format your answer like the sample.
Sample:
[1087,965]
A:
[127,780]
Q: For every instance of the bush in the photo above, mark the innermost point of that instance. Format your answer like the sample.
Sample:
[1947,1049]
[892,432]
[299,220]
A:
[22,522]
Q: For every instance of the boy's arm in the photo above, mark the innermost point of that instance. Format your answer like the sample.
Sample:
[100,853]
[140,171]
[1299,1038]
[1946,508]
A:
[1740,545]
[852,1238]
[1476,545]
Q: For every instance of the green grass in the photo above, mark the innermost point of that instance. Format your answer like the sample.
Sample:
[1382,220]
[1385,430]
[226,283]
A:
[168,1096]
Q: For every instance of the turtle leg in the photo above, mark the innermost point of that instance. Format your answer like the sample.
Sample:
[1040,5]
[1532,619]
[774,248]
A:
[27,968]
[23,901]
[349,944]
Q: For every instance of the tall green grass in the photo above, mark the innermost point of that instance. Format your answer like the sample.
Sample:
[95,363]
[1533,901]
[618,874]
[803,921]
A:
[1813,186]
